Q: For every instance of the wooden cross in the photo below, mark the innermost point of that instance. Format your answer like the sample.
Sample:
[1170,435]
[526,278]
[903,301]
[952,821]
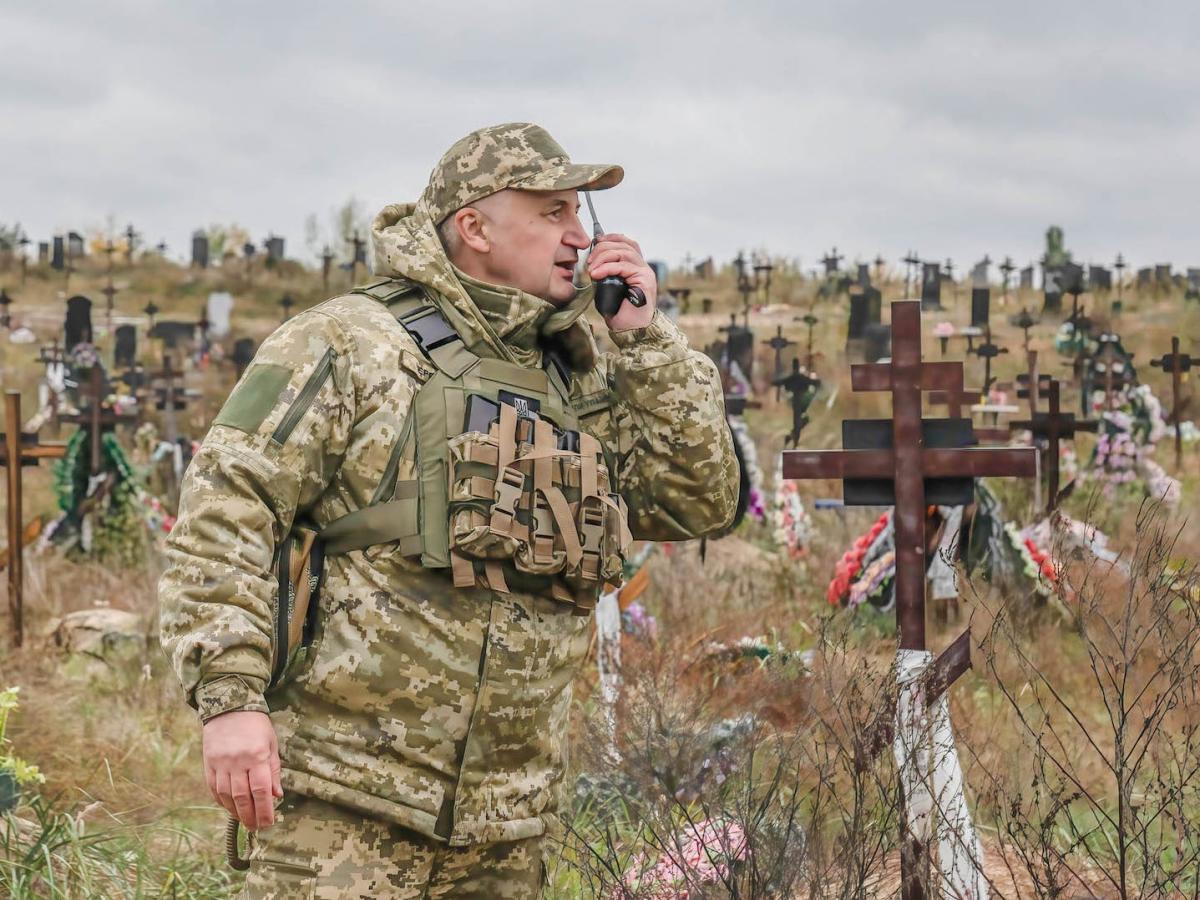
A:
[1111,367]
[170,396]
[18,450]
[953,399]
[778,343]
[798,386]
[908,462]
[1031,383]
[1176,363]
[1053,426]
[97,419]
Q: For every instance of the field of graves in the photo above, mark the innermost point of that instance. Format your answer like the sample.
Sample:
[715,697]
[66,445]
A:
[743,727]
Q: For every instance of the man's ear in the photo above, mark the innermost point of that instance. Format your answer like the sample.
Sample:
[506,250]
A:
[470,226]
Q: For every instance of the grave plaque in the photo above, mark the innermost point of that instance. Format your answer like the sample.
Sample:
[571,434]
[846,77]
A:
[125,347]
[865,310]
[77,328]
[981,299]
[877,342]
[199,250]
[217,313]
[931,286]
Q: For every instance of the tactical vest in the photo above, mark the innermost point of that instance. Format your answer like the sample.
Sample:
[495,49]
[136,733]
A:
[508,492]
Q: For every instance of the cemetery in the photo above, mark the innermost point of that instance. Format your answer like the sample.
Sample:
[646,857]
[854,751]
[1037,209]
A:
[948,647]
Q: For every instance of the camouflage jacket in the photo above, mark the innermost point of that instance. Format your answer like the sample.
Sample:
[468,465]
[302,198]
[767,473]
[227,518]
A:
[443,710]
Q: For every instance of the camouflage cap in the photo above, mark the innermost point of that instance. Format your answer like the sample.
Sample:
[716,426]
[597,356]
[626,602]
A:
[514,155]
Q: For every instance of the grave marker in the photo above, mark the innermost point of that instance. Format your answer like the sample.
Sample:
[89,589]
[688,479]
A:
[1053,426]
[1177,364]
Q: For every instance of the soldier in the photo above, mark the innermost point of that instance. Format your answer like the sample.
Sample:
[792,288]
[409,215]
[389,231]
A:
[474,467]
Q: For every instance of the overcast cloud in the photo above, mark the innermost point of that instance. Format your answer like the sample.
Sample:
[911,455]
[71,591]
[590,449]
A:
[874,126]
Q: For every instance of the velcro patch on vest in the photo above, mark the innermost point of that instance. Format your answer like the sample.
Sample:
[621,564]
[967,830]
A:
[590,404]
[415,365]
[254,398]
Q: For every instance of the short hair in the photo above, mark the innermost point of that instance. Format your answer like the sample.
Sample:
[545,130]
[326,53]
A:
[451,241]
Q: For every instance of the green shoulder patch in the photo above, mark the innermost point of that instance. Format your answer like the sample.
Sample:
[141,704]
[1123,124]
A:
[252,400]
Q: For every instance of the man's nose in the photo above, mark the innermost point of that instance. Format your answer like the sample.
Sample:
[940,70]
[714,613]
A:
[576,237]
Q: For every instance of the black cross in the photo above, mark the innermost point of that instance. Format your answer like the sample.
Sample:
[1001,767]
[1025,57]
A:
[1007,267]
[1176,363]
[1053,426]
[810,321]
[17,450]
[798,386]
[987,351]
[778,343]
[831,260]
[1025,321]
[764,270]
[131,237]
[909,261]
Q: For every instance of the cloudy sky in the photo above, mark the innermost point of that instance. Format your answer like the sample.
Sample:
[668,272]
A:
[955,129]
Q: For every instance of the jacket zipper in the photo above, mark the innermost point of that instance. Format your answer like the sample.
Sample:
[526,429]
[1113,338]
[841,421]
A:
[388,482]
[304,399]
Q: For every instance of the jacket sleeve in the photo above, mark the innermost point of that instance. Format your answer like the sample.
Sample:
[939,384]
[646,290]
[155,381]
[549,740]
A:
[675,463]
[272,450]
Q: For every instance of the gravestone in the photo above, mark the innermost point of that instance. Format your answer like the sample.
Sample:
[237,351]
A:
[1027,278]
[274,250]
[77,327]
[1099,278]
[981,301]
[173,333]
[1193,280]
[217,312]
[125,347]
[866,309]
[979,274]
[75,248]
[1145,278]
[864,274]
[931,286]
[58,256]
[877,342]
[199,250]
[1162,275]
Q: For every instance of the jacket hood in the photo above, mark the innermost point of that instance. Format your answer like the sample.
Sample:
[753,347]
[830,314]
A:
[492,320]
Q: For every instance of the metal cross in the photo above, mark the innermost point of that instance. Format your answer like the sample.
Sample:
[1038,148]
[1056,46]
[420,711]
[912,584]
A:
[909,261]
[778,343]
[1025,321]
[1053,426]
[801,387]
[1176,363]
[987,351]
[17,450]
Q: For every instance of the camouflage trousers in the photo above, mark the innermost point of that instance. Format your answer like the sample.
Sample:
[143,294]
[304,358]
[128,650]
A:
[318,850]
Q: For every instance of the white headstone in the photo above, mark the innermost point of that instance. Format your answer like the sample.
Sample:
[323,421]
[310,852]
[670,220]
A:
[220,306]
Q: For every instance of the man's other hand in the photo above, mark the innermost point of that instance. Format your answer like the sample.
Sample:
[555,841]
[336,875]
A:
[241,762]
[616,254]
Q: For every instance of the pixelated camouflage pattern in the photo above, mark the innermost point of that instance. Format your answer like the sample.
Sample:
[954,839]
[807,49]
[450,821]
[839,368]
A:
[442,710]
[512,155]
[319,850]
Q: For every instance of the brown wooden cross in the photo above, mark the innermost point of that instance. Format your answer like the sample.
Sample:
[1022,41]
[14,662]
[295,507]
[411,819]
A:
[1032,383]
[170,396]
[17,450]
[96,418]
[909,462]
[1053,426]
[1176,363]
[1110,368]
